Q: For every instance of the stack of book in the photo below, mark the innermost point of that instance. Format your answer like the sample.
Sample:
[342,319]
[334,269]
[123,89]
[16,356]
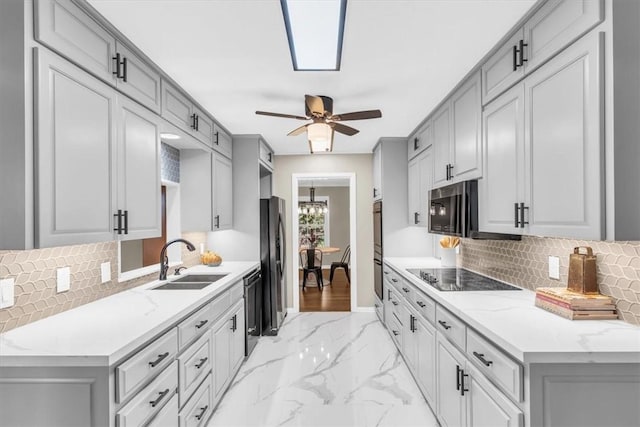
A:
[574,305]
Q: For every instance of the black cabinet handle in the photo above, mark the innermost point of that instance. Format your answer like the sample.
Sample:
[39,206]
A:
[126,222]
[447,173]
[201,324]
[202,362]
[386,272]
[376,305]
[412,323]
[154,403]
[394,302]
[160,358]
[389,294]
[374,192]
[202,412]
[216,222]
[522,209]
[522,45]
[462,387]
[515,58]
[396,333]
[416,215]
[458,381]
[421,304]
[124,70]
[193,121]
[450,171]
[394,280]
[217,140]
[416,144]
[234,322]
[481,358]
[270,157]
[197,122]
[444,324]
[405,289]
[119,217]
[516,223]
[116,71]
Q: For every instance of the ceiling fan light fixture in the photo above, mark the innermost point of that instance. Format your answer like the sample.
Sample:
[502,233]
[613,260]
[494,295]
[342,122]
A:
[320,137]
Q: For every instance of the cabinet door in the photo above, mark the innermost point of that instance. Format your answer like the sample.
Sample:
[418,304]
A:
[450,402]
[221,341]
[204,127]
[502,71]
[168,415]
[441,145]
[138,166]
[556,25]
[222,143]
[222,193]
[420,141]
[176,107]
[377,172]
[466,111]
[237,338]
[409,343]
[502,184]
[426,183]
[75,148]
[65,28]
[426,359]
[486,405]
[196,190]
[564,144]
[139,80]
[413,190]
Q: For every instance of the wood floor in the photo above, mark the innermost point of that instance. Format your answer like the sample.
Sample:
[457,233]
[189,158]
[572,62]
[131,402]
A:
[334,297]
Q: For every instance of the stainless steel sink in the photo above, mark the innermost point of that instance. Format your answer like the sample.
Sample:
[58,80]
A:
[190,282]
[206,278]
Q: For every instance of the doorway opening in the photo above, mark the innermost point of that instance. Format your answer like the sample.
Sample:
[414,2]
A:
[323,213]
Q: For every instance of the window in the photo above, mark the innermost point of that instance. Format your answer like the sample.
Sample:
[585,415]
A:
[313,227]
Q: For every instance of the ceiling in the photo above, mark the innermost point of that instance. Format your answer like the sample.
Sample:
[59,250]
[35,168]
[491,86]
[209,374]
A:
[399,56]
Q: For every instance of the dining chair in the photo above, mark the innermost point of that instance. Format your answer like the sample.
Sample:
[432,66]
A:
[343,263]
[311,260]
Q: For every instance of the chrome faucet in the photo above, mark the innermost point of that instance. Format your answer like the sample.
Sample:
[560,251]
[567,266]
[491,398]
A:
[164,259]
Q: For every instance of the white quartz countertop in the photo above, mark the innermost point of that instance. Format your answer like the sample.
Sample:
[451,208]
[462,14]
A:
[103,332]
[530,334]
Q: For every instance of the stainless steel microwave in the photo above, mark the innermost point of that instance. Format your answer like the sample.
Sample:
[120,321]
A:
[453,211]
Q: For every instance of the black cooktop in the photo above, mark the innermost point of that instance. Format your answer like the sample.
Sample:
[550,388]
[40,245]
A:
[459,279]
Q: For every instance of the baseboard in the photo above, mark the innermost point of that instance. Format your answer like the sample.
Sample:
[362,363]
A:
[291,310]
[364,310]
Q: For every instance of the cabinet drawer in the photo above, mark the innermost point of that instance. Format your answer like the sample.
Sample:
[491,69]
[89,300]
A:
[200,407]
[395,329]
[168,416]
[424,305]
[451,327]
[405,289]
[379,308]
[150,399]
[193,365]
[396,304]
[220,305]
[222,142]
[195,325]
[146,364]
[495,365]
[237,292]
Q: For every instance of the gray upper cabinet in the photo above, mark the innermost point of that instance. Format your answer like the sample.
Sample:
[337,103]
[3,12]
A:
[501,71]
[223,193]
[466,110]
[64,27]
[74,120]
[196,190]
[377,172]
[137,79]
[266,155]
[553,27]
[222,141]
[176,107]
[441,145]
[138,170]
[203,127]
[420,141]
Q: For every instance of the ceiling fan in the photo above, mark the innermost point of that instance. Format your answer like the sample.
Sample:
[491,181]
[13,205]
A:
[319,109]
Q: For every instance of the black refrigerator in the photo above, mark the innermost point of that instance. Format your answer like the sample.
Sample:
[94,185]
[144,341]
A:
[273,263]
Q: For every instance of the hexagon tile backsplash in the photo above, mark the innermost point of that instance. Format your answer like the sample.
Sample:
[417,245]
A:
[34,272]
[525,263]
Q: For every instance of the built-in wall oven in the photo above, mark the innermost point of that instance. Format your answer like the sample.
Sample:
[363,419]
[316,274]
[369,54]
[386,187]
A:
[252,310]
[377,249]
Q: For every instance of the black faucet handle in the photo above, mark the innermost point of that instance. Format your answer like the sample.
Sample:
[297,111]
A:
[178,270]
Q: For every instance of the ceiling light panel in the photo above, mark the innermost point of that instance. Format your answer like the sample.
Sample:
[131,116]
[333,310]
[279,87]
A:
[315,29]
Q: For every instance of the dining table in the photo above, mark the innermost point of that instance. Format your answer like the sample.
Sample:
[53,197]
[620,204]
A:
[323,249]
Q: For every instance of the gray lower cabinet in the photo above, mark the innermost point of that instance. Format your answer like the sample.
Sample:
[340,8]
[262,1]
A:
[206,182]
[536,142]
[75,154]
[426,359]
[451,402]
[167,416]
[200,406]
[228,347]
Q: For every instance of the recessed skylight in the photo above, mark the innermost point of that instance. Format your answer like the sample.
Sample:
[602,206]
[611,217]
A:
[314,30]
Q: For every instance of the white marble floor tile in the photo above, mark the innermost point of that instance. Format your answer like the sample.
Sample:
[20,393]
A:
[325,369]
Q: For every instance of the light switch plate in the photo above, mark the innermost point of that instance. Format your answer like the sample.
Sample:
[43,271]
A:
[554,267]
[63,281]
[105,272]
[7,292]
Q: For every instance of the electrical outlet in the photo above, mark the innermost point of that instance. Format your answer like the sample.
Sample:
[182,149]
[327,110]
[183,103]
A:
[105,272]
[63,281]
[7,292]
[554,267]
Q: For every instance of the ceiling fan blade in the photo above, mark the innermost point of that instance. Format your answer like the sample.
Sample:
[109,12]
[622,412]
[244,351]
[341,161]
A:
[358,115]
[298,131]
[344,129]
[286,116]
[313,106]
